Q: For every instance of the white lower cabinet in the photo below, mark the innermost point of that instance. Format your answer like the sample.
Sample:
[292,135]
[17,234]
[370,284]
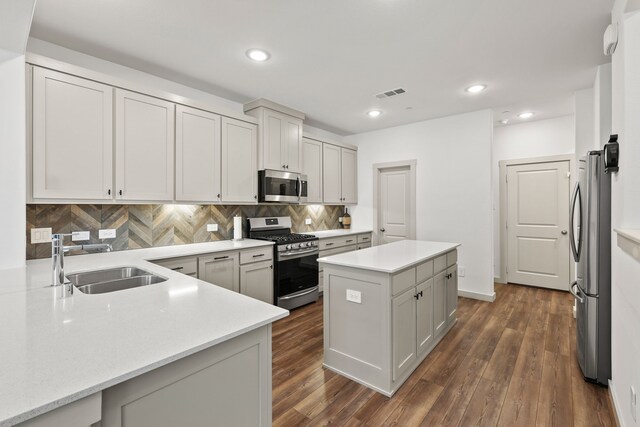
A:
[452,292]
[225,385]
[222,269]
[440,303]
[256,280]
[184,265]
[424,316]
[403,310]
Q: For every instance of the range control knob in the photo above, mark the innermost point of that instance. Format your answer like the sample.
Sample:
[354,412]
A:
[288,247]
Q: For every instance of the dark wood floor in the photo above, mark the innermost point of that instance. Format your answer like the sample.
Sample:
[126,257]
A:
[507,363]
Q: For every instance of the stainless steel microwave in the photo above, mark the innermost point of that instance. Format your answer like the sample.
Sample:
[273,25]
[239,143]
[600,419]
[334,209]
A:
[278,186]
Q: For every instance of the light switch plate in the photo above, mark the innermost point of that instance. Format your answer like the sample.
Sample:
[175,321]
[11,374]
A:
[461,271]
[78,236]
[41,235]
[107,233]
[212,227]
[307,221]
[354,296]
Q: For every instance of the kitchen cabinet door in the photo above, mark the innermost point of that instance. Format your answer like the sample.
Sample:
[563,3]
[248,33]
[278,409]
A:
[424,315]
[403,310]
[221,269]
[452,292]
[349,171]
[439,303]
[256,281]
[197,155]
[331,174]
[272,146]
[144,147]
[312,167]
[72,137]
[292,144]
[239,161]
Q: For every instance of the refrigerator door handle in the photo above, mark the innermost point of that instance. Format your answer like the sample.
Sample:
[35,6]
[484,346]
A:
[576,248]
[576,293]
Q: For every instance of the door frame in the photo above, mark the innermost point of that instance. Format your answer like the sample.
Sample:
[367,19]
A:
[503,164]
[377,169]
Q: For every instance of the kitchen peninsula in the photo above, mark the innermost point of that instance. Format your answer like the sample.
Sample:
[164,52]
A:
[179,352]
[386,308]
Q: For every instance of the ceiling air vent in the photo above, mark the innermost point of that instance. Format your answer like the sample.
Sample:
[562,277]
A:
[390,93]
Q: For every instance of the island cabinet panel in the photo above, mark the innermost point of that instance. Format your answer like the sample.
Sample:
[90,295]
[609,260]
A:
[225,385]
[222,269]
[404,332]
[379,324]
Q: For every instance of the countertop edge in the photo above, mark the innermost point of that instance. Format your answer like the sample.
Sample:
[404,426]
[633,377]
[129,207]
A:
[389,271]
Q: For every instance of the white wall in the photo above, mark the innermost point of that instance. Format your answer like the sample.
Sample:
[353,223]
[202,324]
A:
[525,140]
[453,185]
[625,211]
[584,120]
[12,161]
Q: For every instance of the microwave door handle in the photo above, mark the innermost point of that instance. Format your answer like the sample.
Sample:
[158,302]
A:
[299,187]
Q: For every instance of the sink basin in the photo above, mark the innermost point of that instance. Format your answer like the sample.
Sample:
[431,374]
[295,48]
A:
[113,279]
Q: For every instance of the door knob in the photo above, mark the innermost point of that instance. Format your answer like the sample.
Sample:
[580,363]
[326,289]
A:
[564,232]
[383,230]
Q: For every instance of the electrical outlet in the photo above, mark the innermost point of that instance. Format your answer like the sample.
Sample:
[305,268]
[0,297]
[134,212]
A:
[107,233]
[77,236]
[307,221]
[354,296]
[461,271]
[634,403]
[212,227]
[41,235]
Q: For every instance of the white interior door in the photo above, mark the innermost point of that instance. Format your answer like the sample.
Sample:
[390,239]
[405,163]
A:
[394,202]
[538,224]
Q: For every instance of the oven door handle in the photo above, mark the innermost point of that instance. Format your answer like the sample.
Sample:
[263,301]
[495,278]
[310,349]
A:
[299,294]
[295,254]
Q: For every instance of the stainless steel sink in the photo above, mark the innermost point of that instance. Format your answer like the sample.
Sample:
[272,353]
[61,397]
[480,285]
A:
[113,279]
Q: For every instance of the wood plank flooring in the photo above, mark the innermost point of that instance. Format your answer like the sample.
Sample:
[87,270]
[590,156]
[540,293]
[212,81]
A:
[507,363]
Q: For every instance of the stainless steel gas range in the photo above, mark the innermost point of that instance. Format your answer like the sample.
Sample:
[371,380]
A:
[296,255]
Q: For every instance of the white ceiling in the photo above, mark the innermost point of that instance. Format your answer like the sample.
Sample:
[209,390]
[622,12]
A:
[330,57]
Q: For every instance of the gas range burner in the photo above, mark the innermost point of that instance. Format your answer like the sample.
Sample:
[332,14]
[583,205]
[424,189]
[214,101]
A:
[287,238]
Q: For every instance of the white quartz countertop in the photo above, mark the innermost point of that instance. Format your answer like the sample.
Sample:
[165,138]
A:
[56,351]
[336,233]
[392,257]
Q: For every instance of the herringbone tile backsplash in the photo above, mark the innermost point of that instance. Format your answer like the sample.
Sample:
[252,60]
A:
[143,226]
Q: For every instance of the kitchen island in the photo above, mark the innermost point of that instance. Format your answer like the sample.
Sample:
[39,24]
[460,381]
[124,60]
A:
[386,308]
[180,352]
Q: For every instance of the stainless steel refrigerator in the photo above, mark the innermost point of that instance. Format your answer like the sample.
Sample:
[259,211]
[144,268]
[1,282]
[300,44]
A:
[591,247]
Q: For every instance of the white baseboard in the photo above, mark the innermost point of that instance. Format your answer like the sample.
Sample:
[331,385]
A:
[500,279]
[477,295]
[615,404]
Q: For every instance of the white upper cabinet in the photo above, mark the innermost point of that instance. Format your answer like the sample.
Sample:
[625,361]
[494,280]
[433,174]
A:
[197,155]
[339,175]
[349,172]
[239,163]
[280,136]
[144,147]
[331,174]
[72,137]
[312,167]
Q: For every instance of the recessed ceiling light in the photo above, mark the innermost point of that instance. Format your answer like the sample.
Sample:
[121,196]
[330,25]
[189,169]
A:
[476,88]
[374,113]
[526,115]
[504,121]
[258,55]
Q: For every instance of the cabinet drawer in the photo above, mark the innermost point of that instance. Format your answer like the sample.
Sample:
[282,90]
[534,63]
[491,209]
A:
[439,264]
[452,258]
[364,245]
[337,242]
[364,238]
[188,266]
[259,254]
[424,271]
[329,252]
[403,281]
